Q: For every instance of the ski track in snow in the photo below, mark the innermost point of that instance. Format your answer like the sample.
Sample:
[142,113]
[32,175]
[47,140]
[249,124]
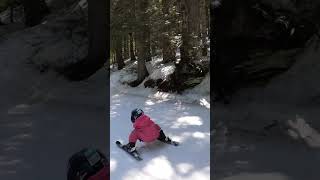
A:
[187,123]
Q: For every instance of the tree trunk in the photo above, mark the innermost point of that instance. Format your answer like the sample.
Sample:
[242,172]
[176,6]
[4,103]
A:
[204,27]
[125,47]
[98,43]
[148,40]
[153,49]
[142,43]
[35,11]
[221,23]
[190,31]
[11,13]
[190,47]
[168,49]
[113,59]
[132,54]
[119,55]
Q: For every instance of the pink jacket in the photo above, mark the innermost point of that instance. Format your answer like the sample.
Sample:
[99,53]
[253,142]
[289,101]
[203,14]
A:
[144,129]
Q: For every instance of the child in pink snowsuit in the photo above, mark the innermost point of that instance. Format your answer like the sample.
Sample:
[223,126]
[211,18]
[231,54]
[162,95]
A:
[144,129]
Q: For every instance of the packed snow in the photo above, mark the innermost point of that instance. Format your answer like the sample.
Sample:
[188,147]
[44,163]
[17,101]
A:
[182,117]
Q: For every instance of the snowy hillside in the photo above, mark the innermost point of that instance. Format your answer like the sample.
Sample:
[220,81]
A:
[200,94]
[181,117]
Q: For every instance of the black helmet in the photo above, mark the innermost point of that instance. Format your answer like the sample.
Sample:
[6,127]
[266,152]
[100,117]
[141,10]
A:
[87,163]
[135,114]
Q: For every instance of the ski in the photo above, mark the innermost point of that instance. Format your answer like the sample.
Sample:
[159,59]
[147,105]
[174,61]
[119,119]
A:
[175,143]
[134,154]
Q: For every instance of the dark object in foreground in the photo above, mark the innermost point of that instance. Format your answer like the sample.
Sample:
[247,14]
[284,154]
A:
[133,153]
[88,164]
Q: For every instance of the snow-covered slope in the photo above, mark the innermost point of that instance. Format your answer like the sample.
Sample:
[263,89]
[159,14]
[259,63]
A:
[181,118]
